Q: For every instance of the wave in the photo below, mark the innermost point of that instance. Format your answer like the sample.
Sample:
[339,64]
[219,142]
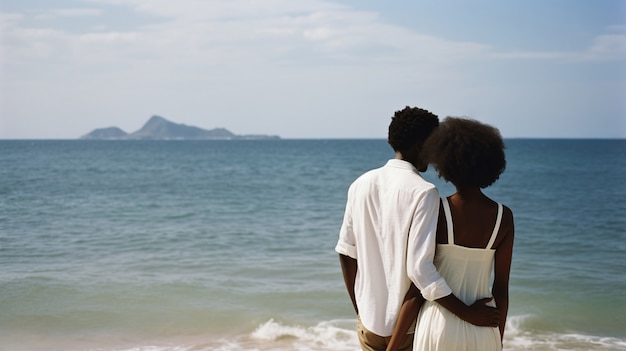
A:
[336,335]
[329,335]
[518,336]
[340,335]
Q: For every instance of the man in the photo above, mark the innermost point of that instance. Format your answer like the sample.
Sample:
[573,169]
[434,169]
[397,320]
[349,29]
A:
[387,238]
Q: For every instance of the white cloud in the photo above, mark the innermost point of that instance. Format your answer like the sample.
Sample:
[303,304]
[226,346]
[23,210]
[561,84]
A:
[604,47]
[276,30]
[64,13]
[76,12]
[607,47]
[272,32]
[110,37]
[222,57]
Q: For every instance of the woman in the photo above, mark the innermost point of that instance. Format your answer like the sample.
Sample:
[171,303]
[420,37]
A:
[474,234]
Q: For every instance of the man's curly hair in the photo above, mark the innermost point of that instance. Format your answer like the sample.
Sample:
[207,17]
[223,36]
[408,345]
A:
[410,126]
[466,152]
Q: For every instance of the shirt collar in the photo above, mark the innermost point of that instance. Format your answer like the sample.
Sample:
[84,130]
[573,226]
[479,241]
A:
[394,162]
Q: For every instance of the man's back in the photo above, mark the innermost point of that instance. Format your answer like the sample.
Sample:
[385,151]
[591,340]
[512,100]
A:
[380,214]
[387,238]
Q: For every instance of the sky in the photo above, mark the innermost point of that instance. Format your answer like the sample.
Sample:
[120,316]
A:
[312,68]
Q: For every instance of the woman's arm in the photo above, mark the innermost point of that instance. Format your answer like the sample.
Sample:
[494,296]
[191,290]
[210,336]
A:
[413,301]
[502,269]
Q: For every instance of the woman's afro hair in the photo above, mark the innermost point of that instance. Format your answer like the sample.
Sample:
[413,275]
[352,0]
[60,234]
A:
[466,152]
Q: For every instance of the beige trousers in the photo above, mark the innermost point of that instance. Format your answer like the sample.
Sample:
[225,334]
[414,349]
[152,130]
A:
[372,342]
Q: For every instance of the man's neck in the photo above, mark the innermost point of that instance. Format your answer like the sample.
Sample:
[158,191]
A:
[407,158]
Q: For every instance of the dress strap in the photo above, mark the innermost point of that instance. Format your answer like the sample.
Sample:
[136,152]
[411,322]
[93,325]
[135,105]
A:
[448,213]
[496,229]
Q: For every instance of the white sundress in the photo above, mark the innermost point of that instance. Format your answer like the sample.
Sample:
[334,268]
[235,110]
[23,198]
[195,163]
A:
[468,273]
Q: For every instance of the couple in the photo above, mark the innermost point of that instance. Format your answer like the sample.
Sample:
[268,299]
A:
[401,244]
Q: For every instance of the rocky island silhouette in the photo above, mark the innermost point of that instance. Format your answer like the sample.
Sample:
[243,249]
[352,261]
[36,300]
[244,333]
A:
[159,128]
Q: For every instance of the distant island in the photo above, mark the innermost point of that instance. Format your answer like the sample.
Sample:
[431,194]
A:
[158,128]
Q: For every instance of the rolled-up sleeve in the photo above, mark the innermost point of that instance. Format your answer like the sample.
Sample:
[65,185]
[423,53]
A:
[421,249]
[346,250]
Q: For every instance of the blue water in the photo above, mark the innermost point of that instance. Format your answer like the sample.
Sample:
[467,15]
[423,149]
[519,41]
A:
[228,245]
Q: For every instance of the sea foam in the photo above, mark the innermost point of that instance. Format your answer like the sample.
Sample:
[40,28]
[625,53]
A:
[340,335]
[327,335]
[519,337]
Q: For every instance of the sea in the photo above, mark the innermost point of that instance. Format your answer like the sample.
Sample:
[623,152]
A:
[228,245]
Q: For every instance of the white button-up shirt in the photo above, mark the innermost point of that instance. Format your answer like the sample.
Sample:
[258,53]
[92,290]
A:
[389,227]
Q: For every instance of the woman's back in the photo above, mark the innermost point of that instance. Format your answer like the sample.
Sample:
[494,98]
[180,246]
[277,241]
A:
[474,216]
[467,271]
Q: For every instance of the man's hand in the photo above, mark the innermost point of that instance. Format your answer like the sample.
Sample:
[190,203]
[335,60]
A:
[481,315]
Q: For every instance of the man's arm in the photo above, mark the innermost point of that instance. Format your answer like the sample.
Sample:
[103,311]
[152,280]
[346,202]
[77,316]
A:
[423,273]
[346,248]
[349,267]
[421,246]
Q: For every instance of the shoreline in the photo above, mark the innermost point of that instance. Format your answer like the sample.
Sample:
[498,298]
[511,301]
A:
[273,335]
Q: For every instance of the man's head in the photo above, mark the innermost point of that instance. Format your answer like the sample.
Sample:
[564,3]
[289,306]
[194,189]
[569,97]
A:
[408,130]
